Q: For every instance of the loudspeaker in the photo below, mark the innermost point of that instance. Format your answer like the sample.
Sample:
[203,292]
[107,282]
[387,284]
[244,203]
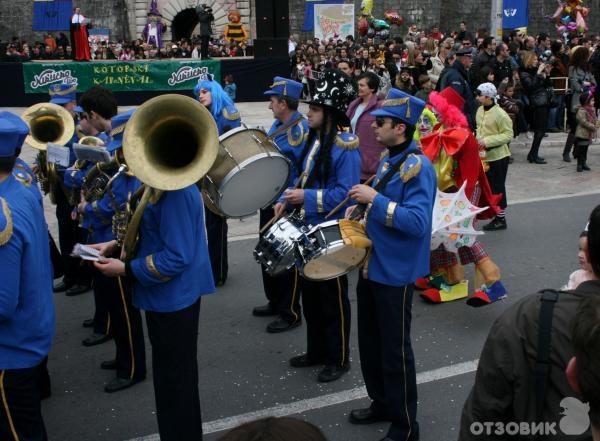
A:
[270,47]
[265,25]
[282,19]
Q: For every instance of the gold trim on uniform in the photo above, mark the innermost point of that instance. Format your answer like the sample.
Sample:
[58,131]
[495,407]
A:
[7,232]
[152,268]
[351,144]
[320,208]
[280,83]
[22,176]
[398,102]
[389,218]
[309,161]
[290,136]
[231,116]
[117,130]
[11,424]
[406,174]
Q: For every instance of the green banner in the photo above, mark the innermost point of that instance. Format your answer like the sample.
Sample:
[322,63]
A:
[121,76]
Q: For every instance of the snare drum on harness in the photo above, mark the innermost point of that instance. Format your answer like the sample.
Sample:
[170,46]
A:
[249,174]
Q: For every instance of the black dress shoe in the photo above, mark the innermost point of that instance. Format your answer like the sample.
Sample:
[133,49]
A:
[332,372]
[264,311]
[109,365]
[538,160]
[365,416]
[281,325]
[117,384]
[88,323]
[585,167]
[63,286]
[77,289]
[496,225]
[304,361]
[96,339]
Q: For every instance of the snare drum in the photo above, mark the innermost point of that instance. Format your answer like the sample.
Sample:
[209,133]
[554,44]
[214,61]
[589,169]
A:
[276,249]
[324,254]
[249,174]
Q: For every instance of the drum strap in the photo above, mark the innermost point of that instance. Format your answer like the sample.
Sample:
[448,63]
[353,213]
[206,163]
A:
[361,208]
[284,127]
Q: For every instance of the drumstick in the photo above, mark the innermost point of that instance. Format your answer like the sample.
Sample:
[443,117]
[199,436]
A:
[345,201]
[276,217]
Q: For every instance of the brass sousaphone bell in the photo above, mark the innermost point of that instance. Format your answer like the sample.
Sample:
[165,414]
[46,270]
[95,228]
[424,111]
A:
[47,123]
[170,142]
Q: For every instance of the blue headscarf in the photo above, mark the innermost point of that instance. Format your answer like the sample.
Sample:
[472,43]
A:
[220,99]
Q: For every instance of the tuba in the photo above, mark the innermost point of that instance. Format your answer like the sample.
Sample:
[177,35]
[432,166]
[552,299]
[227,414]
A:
[48,123]
[87,181]
[97,179]
[169,143]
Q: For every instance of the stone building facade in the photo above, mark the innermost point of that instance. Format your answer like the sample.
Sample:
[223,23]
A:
[126,18]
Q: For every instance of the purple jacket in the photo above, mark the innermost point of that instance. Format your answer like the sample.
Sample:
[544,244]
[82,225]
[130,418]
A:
[370,149]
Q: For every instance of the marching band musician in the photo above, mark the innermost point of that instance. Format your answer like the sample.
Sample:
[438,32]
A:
[26,303]
[99,105]
[127,330]
[169,274]
[212,96]
[331,165]
[74,280]
[398,222]
[288,130]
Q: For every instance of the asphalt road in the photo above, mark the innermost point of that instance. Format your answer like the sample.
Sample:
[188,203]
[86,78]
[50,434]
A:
[243,369]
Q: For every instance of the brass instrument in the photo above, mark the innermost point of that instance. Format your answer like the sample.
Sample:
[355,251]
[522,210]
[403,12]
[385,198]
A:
[47,123]
[169,143]
[97,179]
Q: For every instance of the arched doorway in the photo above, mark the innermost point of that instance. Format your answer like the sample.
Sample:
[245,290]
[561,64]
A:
[183,24]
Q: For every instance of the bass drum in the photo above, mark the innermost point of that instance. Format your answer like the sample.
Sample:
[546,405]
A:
[250,173]
[324,255]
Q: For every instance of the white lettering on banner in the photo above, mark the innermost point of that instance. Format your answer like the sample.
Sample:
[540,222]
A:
[510,12]
[49,76]
[186,73]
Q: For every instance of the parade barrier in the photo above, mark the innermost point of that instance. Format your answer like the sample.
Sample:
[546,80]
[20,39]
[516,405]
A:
[134,82]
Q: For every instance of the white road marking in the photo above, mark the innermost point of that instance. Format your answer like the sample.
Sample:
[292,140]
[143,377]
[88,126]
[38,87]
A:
[333,399]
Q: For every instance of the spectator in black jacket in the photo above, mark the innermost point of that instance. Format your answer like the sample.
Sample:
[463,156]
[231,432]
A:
[457,77]
[501,65]
[535,79]
[485,56]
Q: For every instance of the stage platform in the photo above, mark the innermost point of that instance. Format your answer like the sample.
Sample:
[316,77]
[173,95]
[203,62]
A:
[251,75]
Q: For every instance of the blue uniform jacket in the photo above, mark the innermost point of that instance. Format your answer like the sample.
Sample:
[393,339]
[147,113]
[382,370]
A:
[26,303]
[23,173]
[228,119]
[172,267]
[345,172]
[399,221]
[291,142]
[100,213]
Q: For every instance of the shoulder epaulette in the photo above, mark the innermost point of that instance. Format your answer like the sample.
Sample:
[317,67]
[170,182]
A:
[383,155]
[347,141]
[6,224]
[410,168]
[231,116]
[22,175]
[296,135]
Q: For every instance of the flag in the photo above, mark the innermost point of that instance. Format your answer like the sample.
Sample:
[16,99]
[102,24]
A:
[309,12]
[52,15]
[515,14]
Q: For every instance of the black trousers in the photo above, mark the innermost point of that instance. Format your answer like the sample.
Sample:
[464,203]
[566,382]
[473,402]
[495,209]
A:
[126,326]
[204,40]
[20,409]
[216,231]
[102,286]
[174,340]
[327,313]
[282,291]
[386,355]
[68,236]
[497,178]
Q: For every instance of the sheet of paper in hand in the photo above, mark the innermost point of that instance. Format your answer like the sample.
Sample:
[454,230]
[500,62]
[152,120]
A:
[85,252]
[58,154]
[91,153]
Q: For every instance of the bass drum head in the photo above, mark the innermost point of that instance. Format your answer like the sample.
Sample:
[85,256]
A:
[334,262]
[258,184]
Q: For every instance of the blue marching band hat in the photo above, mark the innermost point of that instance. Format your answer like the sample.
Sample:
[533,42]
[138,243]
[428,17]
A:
[118,123]
[13,132]
[402,106]
[62,93]
[285,87]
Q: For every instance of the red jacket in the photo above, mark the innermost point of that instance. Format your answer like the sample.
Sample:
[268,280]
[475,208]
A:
[370,149]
